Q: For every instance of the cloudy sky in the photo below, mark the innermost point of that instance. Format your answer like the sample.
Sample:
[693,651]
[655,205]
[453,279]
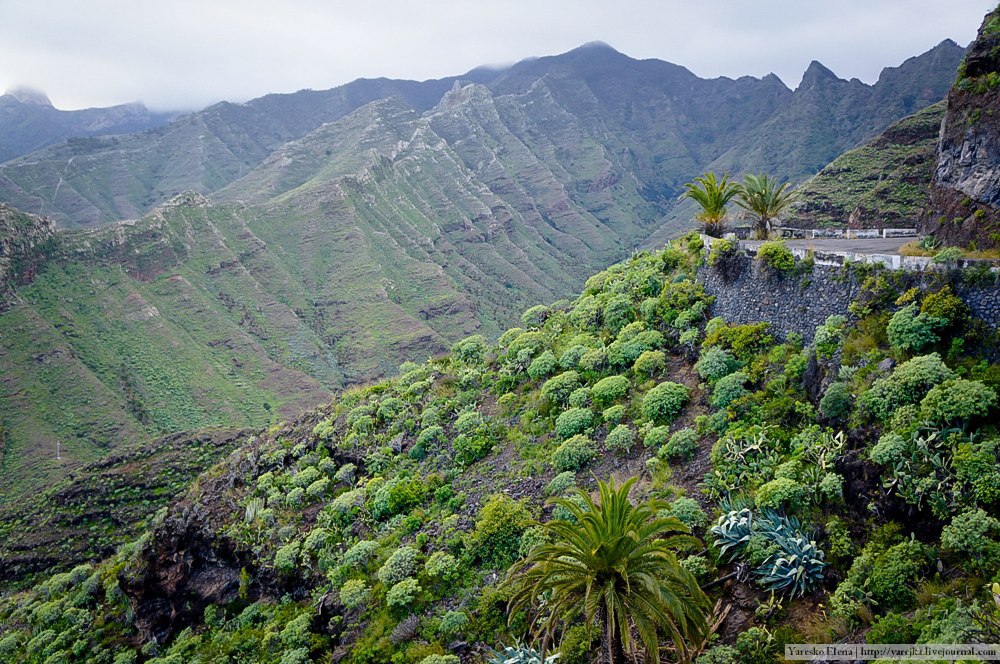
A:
[185,54]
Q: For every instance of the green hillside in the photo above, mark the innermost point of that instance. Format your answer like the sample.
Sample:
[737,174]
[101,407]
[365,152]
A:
[884,183]
[394,524]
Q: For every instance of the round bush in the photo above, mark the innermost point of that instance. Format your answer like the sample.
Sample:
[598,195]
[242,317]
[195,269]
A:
[573,421]
[908,384]
[574,453]
[728,389]
[714,363]
[649,363]
[836,401]
[442,565]
[656,437]
[354,593]
[561,483]
[608,390]
[542,366]
[359,554]
[452,623]
[663,403]
[911,332]
[614,414]
[401,564]
[689,512]
[402,594]
[620,439]
[957,400]
[682,445]
[776,256]
[580,398]
[558,388]
[781,492]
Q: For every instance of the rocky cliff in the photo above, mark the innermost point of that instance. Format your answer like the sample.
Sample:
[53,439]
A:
[24,242]
[965,195]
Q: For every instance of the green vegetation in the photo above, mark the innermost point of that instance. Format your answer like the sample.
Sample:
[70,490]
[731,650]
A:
[712,195]
[459,501]
[764,199]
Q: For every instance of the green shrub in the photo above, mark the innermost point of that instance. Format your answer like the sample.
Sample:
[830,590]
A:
[720,654]
[286,558]
[570,359]
[573,421]
[580,398]
[728,389]
[689,513]
[911,332]
[608,390]
[682,445]
[542,366]
[561,483]
[305,477]
[359,554]
[649,363]
[318,488]
[400,564]
[829,336]
[757,646]
[614,414]
[893,628]
[535,316]
[620,439]
[836,402]
[656,437]
[745,341]
[908,384]
[714,363]
[442,565]
[471,349]
[663,403]
[402,594]
[497,535]
[576,645]
[441,659]
[888,574]
[971,537]
[944,305]
[558,388]
[397,496]
[354,593]
[617,313]
[574,453]
[781,492]
[593,360]
[956,401]
[777,256]
[453,623]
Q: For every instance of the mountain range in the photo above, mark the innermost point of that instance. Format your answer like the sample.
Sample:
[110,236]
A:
[310,241]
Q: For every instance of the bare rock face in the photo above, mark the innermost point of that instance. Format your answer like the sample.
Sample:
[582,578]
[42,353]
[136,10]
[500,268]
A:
[965,195]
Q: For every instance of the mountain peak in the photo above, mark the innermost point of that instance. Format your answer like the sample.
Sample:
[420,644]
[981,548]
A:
[815,72]
[27,95]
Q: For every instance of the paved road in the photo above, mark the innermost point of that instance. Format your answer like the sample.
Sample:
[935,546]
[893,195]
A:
[872,246]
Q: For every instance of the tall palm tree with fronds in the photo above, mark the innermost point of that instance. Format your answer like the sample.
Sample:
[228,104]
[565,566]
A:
[616,567]
[712,195]
[765,200]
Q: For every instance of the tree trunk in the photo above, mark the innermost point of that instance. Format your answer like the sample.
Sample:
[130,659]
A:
[612,650]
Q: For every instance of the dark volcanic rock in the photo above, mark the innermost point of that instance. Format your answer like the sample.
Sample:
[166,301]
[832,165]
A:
[965,194]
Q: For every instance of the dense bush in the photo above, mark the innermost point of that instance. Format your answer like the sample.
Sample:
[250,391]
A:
[558,388]
[573,421]
[400,564]
[542,366]
[403,593]
[535,316]
[714,363]
[945,306]
[728,389]
[574,453]
[656,437]
[781,492]
[777,256]
[971,536]
[497,536]
[956,401]
[470,350]
[442,565]
[908,384]
[663,403]
[620,439]
[649,363]
[608,390]
[836,402]
[681,446]
[911,332]
[561,483]
[689,513]
[354,593]
[614,414]
[829,336]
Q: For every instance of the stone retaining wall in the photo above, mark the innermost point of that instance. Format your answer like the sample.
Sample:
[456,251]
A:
[798,302]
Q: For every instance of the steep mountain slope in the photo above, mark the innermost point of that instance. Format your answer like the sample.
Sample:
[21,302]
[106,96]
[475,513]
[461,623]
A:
[884,183]
[828,115]
[662,124]
[29,122]
[393,524]
[965,196]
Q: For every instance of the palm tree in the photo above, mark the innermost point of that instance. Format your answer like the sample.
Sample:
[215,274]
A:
[761,196]
[616,567]
[712,196]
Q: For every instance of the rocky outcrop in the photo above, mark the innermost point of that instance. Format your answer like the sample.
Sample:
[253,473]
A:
[25,240]
[964,204]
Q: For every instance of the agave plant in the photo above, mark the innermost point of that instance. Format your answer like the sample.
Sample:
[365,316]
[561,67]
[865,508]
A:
[733,531]
[797,569]
[520,654]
